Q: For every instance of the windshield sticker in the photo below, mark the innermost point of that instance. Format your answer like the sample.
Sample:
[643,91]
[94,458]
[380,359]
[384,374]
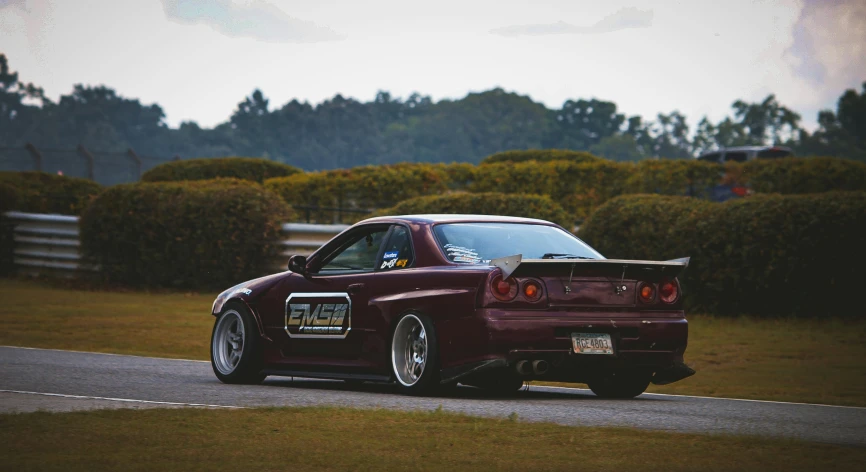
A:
[462,254]
[402,262]
[390,255]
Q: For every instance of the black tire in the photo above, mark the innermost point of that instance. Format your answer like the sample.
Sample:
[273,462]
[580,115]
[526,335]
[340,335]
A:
[427,383]
[622,385]
[248,368]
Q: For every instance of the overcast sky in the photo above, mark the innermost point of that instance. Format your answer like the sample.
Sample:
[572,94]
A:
[198,59]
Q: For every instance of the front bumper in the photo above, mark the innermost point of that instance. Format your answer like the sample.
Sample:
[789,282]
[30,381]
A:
[498,339]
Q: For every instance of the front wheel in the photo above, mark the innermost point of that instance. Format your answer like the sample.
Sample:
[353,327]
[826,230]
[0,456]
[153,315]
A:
[235,353]
[415,355]
[620,384]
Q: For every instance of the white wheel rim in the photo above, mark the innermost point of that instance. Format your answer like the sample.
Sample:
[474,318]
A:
[228,342]
[409,350]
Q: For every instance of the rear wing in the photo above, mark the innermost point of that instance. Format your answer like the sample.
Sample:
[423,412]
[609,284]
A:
[516,265]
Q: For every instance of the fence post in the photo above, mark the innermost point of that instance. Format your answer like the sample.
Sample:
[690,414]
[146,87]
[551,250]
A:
[136,160]
[37,157]
[89,157]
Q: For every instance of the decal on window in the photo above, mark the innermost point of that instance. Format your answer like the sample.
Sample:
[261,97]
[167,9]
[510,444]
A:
[462,254]
[318,315]
[390,255]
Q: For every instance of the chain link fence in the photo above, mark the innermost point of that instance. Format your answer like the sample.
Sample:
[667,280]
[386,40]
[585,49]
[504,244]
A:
[106,168]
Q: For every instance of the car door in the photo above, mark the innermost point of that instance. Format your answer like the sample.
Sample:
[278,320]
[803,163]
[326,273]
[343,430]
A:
[323,319]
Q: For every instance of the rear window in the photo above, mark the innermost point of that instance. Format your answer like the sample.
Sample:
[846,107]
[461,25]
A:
[476,243]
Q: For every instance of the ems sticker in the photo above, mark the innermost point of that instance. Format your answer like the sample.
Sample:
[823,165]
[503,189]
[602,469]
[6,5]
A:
[320,318]
[390,255]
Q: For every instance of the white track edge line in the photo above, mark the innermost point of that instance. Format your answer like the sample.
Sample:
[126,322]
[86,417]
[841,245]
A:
[713,398]
[545,386]
[128,400]
[103,353]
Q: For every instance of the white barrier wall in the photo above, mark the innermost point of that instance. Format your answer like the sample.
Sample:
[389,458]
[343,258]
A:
[49,243]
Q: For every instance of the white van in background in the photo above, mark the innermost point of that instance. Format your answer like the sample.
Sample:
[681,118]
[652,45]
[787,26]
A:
[746,153]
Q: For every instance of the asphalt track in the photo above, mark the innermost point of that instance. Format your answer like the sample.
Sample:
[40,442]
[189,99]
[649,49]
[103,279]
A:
[33,379]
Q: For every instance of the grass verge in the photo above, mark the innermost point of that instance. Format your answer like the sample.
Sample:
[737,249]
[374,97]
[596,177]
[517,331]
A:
[344,439]
[814,361]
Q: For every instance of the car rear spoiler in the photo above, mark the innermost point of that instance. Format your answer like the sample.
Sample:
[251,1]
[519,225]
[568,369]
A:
[516,265]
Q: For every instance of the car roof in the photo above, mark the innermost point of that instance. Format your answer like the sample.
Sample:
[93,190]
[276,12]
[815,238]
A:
[454,218]
[746,148]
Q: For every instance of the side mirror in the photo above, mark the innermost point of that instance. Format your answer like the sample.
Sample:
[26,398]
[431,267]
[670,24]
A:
[298,264]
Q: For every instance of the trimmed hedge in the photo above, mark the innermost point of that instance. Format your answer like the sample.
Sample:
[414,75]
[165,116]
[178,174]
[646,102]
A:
[41,192]
[369,187]
[804,175]
[490,203]
[577,186]
[245,168]
[797,255]
[206,234]
[674,177]
[540,155]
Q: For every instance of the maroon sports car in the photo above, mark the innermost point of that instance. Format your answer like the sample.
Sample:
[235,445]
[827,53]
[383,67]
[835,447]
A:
[429,301]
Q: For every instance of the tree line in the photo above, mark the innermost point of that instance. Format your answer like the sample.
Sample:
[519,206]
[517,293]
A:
[344,132]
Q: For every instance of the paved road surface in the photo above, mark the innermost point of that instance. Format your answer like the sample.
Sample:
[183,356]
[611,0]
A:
[89,380]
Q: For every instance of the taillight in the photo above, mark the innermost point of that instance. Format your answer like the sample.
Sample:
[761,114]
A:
[646,292]
[532,291]
[504,290]
[669,291]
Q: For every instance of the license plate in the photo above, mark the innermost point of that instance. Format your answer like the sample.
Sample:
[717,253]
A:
[591,343]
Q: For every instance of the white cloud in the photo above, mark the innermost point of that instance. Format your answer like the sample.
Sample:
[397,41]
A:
[624,18]
[251,18]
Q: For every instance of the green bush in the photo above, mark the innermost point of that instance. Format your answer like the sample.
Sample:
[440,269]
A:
[489,203]
[803,175]
[205,234]
[577,186]
[765,255]
[40,192]
[245,168]
[540,155]
[674,177]
[368,187]
[644,227]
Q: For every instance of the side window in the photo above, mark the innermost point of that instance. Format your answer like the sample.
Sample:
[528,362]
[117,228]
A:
[398,250]
[360,254]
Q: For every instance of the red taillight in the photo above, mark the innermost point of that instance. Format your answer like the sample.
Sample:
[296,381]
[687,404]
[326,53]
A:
[647,293]
[669,291]
[504,290]
[532,291]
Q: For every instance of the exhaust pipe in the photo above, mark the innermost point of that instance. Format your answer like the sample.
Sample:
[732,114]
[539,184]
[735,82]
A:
[540,367]
[523,368]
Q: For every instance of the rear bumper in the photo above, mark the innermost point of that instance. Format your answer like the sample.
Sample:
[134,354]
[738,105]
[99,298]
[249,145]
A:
[651,341]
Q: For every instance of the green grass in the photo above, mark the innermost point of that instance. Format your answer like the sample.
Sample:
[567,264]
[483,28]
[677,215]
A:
[344,439]
[815,361]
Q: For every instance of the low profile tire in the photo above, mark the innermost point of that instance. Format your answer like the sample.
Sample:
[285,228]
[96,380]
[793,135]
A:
[415,355]
[621,385]
[235,350]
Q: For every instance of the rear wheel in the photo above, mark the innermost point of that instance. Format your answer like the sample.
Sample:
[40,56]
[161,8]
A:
[235,347]
[621,384]
[415,355]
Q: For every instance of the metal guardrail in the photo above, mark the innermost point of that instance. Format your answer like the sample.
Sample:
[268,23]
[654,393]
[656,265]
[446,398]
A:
[49,243]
